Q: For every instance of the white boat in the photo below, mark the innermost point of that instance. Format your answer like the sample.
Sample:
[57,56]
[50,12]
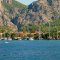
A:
[0,39]
[6,42]
[20,39]
[5,38]
[31,38]
[9,39]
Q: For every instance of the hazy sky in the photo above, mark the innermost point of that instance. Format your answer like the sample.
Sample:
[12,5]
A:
[26,2]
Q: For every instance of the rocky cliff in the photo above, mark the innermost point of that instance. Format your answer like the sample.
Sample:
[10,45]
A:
[38,11]
[17,15]
[9,9]
[43,10]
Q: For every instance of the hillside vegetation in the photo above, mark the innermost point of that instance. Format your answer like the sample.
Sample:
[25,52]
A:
[15,4]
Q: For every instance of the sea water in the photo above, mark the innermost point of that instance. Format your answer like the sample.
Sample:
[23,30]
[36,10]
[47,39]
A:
[30,50]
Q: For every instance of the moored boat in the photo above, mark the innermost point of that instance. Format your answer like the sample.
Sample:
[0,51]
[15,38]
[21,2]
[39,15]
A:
[31,38]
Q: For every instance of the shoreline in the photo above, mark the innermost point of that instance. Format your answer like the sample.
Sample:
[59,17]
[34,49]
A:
[25,39]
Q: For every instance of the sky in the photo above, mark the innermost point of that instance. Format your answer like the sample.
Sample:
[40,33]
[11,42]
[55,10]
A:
[26,2]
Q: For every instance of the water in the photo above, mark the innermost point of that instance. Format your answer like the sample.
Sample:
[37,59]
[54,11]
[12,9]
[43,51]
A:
[30,50]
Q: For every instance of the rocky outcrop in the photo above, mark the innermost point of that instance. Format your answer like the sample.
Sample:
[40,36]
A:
[43,10]
[37,11]
[4,18]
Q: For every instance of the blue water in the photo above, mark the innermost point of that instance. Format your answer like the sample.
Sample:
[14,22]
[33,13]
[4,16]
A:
[30,50]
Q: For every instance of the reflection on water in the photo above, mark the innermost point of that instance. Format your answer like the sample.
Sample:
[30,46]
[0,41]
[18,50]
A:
[30,50]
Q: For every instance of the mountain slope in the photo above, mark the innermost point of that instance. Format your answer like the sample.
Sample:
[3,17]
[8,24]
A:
[37,12]
[44,10]
[8,13]
[20,16]
[15,4]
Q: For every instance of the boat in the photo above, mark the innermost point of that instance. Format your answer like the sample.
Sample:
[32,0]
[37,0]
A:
[6,42]
[31,38]
[9,39]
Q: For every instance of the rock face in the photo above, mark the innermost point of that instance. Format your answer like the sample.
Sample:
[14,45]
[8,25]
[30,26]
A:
[1,8]
[43,10]
[10,14]
[56,8]
[38,11]
[4,18]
